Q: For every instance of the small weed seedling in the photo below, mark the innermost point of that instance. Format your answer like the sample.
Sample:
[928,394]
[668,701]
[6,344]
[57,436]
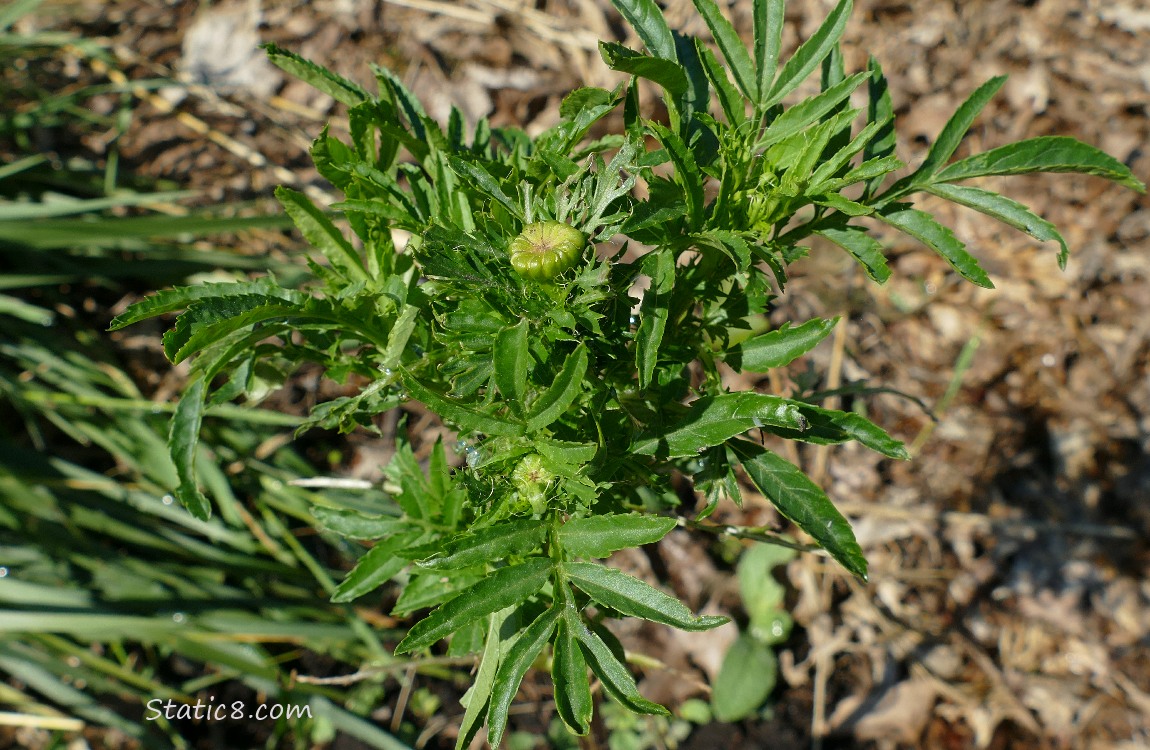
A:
[576,402]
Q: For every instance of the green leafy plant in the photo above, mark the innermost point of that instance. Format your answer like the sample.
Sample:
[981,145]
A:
[577,398]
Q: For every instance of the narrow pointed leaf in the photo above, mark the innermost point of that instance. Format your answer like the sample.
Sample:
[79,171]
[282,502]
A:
[831,427]
[492,543]
[647,20]
[353,524]
[378,565]
[943,147]
[322,234]
[780,347]
[482,179]
[599,536]
[714,420]
[729,43]
[805,113]
[923,227]
[513,667]
[665,72]
[654,311]
[183,440]
[864,248]
[562,393]
[569,675]
[613,674]
[1052,153]
[769,19]
[633,597]
[686,171]
[810,54]
[511,358]
[1005,210]
[880,110]
[803,502]
[503,588]
[465,418]
[475,700]
[731,102]
[335,86]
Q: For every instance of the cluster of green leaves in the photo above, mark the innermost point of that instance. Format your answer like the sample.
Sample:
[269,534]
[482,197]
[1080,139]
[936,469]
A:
[575,400]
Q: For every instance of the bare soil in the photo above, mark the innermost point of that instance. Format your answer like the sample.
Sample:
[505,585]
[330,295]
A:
[1009,602]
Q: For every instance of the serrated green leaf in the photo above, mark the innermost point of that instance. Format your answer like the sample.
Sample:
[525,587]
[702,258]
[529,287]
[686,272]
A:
[946,143]
[633,597]
[183,439]
[831,426]
[335,86]
[803,502]
[569,675]
[208,320]
[1052,153]
[1005,210]
[715,419]
[731,102]
[482,179]
[475,700]
[659,264]
[746,678]
[613,674]
[923,227]
[354,524]
[599,536]
[809,54]
[465,418]
[880,110]
[513,667]
[780,347]
[503,588]
[179,298]
[729,43]
[804,114]
[687,172]
[647,20]
[665,72]
[488,545]
[769,19]
[377,566]
[562,393]
[322,234]
[864,248]
[511,358]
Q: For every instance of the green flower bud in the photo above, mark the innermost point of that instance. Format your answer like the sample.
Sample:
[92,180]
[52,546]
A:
[545,249]
[531,478]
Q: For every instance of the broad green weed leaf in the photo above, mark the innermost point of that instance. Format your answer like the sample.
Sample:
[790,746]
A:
[864,248]
[715,419]
[321,234]
[335,86]
[923,227]
[746,678]
[809,54]
[183,439]
[555,400]
[803,502]
[354,524]
[466,418]
[830,426]
[1051,153]
[780,347]
[513,666]
[503,588]
[569,675]
[599,536]
[1005,210]
[486,545]
[630,596]
[647,20]
[769,19]
[511,358]
[653,312]
[378,565]
[729,43]
[663,71]
[613,674]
